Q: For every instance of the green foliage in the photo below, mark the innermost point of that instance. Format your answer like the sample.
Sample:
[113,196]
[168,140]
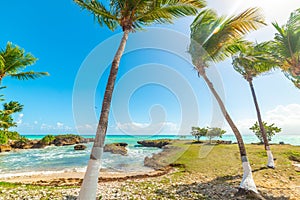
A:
[6,120]
[13,60]
[271,130]
[287,47]
[252,59]
[198,132]
[133,15]
[3,138]
[48,139]
[211,35]
[13,135]
[215,132]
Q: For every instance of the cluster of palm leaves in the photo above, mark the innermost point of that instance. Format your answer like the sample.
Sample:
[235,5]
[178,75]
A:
[6,119]
[213,39]
[13,60]
[287,47]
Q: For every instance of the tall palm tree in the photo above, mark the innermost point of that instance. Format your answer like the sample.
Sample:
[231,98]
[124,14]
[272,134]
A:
[131,16]
[287,47]
[13,60]
[251,61]
[211,38]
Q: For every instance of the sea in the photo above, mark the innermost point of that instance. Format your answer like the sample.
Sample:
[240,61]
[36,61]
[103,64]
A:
[54,159]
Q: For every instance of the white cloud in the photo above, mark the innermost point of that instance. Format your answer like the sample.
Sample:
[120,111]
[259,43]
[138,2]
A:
[20,118]
[86,128]
[286,117]
[35,122]
[59,125]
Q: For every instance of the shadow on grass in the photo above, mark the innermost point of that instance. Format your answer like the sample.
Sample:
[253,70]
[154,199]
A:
[216,189]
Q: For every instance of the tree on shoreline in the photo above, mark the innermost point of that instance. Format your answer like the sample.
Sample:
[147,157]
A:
[251,61]
[198,132]
[215,132]
[270,130]
[211,38]
[131,16]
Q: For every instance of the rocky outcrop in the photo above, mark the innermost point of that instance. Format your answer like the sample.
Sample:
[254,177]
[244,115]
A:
[64,140]
[154,143]
[5,148]
[116,148]
[80,147]
[87,140]
[223,142]
[23,144]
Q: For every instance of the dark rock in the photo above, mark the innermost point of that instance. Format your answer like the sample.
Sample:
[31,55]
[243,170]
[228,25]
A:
[87,140]
[63,140]
[39,145]
[23,144]
[249,194]
[80,147]
[5,148]
[223,142]
[154,143]
[116,148]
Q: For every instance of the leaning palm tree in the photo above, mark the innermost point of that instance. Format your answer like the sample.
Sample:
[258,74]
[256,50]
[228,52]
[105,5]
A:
[13,60]
[287,47]
[251,61]
[131,16]
[211,38]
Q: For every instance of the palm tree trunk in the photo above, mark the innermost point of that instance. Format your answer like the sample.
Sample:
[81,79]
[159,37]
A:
[89,186]
[270,163]
[247,181]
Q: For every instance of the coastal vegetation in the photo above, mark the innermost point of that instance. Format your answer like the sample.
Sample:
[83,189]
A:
[198,132]
[286,46]
[211,175]
[131,16]
[194,177]
[13,61]
[270,130]
[251,61]
[212,38]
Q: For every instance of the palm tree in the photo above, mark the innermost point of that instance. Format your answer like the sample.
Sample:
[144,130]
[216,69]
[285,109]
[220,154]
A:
[287,47]
[6,120]
[13,60]
[211,39]
[251,61]
[131,16]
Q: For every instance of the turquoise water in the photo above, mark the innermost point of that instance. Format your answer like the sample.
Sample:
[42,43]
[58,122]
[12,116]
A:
[54,159]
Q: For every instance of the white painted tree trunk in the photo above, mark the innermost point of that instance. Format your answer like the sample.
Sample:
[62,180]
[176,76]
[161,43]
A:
[271,163]
[247,181]
[89,186]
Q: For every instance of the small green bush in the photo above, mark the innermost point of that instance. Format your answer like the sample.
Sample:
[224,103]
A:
[3,138]
[48,139]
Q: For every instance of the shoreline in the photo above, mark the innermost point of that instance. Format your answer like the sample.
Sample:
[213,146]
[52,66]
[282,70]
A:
[75,178]
[188,177]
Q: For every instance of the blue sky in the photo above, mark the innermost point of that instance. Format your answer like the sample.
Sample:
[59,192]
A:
[168,97]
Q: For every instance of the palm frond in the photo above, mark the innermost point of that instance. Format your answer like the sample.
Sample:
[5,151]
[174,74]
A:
[218,35]
[29,75]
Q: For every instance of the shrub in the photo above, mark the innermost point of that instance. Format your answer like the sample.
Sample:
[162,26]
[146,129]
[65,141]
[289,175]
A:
[48,139]
[3,138]
[271,130]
